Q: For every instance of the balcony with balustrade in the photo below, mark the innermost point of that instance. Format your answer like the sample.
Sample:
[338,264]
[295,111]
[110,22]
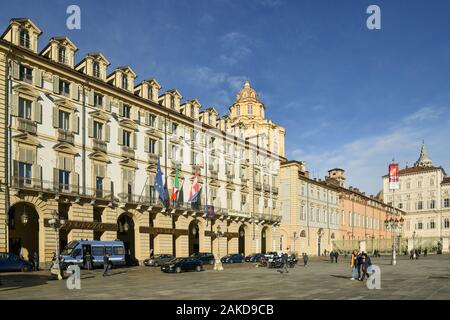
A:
[127,152]
[26,125]
[99,145]
[65,136]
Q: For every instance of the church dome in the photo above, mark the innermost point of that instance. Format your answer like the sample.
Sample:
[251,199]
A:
[247,94]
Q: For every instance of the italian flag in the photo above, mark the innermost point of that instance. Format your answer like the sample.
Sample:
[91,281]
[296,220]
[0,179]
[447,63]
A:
[175,189]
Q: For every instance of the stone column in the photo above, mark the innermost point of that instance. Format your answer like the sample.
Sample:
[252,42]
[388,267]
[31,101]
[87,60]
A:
[163,242]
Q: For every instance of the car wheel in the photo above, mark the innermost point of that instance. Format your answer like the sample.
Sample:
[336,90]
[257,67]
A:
[198,268]
[24,268]
[178,269]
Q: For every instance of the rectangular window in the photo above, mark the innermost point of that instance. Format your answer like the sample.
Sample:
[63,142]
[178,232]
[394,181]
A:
[98,100]
[152,146]
[98,251]
[98,130]
[432,204]
[25,108]
[26,73]
[64,180]
[24,173]
[174,128]
[446,203]
[99,186]
[119,251]
[152,120]
[64,87]
[126,138]
[419,225]
[419,205]
[432,224]
[229,200]
[446,223]
[64,120]
[127,111]
[192,111]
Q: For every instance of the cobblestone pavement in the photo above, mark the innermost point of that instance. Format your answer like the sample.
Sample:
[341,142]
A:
[426,278]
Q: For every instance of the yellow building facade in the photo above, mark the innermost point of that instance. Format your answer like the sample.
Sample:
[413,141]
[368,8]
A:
[83,144]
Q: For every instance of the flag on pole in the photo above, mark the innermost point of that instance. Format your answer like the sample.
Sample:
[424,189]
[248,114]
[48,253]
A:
[159,183]
[175,188]
[180,194]
[195,190]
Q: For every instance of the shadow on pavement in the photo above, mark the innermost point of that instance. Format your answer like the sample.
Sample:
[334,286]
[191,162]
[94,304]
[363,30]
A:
[20,280]
[340,277]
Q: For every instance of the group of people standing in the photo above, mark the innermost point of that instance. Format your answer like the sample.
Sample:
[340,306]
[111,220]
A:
[334,255]
[359,263]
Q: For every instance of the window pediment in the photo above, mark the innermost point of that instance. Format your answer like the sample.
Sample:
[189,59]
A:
[99,156]
[127,123]
[65,103]
[129,163]
[66,148]
[154,133]
[26,89]
[27,138]
[99,114]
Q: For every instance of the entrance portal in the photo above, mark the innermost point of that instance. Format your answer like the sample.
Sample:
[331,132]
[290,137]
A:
[125,233]
[23,226]
[194,238]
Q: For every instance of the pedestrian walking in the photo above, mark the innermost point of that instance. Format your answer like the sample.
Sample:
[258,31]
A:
[331,257]
[105,264]
[88,261]
[336,255]
[354,264]
[305,259]
[425,252]
[35,261]
[365,263]
[284,260]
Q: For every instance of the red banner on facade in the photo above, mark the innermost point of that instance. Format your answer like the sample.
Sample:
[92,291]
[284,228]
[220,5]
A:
[394,183]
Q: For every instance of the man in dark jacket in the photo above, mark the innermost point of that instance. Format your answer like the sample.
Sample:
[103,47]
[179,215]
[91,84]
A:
[284,259]
[365,263]
[336,255]
[305,259]
[105,264]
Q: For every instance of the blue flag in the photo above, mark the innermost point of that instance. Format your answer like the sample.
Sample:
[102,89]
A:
[159,183]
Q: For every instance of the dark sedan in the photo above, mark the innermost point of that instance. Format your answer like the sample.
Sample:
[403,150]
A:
[158,260]
[12,262]
[256,257]
[205,257]
[182,264]
[233,258]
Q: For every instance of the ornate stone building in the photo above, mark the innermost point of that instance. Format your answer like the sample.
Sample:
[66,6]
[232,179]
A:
[424,195]
[81,143]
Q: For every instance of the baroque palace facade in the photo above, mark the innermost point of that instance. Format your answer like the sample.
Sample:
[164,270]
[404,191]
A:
[319,215]
[424,195]
[83,145]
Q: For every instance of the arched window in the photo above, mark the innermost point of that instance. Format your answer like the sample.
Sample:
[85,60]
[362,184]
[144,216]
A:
[250,109]
[332,236]
[303,234]
[24,38]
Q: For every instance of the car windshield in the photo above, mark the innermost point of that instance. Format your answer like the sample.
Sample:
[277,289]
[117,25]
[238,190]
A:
[69,248]
[175,260]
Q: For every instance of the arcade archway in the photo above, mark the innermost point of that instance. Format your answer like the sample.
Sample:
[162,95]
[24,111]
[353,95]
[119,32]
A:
[194,238]
[125,233]
[23,227]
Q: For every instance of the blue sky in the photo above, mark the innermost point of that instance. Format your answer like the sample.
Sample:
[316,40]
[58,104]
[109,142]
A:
[349,97]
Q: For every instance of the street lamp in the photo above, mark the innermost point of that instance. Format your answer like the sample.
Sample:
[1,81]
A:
[394,225]
[217,263]
[56,223]
[24,216]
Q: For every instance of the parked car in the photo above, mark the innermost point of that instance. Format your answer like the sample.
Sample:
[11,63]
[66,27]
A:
[12,262]
[255,257]
[205,257]
[233,258]
[270,256]
[182,264]
[158,260]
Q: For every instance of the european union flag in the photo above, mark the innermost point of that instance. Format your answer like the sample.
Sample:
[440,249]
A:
[159,184]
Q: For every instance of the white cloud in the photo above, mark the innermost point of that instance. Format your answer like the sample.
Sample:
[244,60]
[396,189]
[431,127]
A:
[236,47]
[365,159]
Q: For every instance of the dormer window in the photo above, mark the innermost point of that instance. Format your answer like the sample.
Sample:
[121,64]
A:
[62,55]
[150,93]
[96,69]
[172,102]
[192,111]
[25,39]
[124,81]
